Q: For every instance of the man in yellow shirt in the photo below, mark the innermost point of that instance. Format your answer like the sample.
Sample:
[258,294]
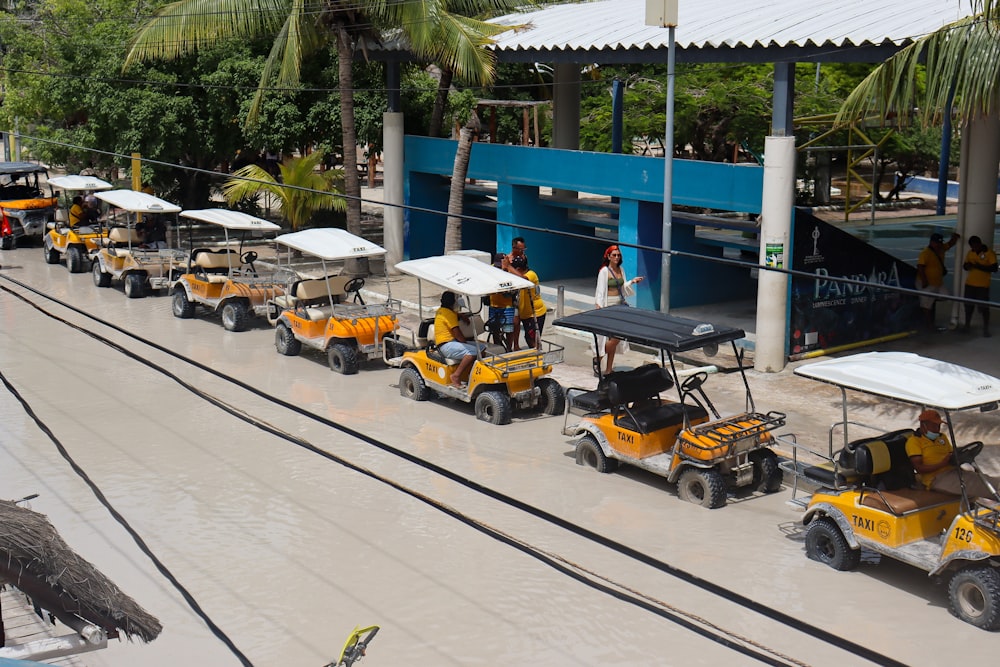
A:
[930,452]
[981,263]
[931,272]
[76,213]
[450,340]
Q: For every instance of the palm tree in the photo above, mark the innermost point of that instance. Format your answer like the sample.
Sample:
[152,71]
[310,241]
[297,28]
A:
[962,61]
[434,29]
[301,191]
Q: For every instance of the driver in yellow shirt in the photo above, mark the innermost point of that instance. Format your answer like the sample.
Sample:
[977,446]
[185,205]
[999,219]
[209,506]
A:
[450,340]
[930,452]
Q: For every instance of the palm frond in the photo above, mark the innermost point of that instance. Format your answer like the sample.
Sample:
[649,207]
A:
[962,60]
[182,27]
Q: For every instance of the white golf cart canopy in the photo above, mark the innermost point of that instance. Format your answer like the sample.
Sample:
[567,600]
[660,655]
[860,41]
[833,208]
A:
[464,275]
[330,243]
[909,378]
[235,220]
[79,182]
[137,202]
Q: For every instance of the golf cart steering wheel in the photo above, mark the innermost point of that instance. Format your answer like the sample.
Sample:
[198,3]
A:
[249,257]
[693,382]
[354,285]
[967,453]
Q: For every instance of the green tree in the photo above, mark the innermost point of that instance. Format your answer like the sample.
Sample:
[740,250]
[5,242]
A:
[432,29]
[301,190]
[64,85]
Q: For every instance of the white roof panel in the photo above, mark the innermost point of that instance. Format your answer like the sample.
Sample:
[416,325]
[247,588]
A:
[330,243]
[230,219]
[909,378]
[137,202]
[463,275]
[621,24]
[79,182]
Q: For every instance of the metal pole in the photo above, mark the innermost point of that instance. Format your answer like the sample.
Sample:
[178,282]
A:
[560,301]
[668,178]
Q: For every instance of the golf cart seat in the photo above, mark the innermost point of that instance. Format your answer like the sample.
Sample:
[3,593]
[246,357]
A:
[875,464]
[313,296]
[637,406]
[214,264]
[899,473]
[432,350]
[597,400]
[121,237]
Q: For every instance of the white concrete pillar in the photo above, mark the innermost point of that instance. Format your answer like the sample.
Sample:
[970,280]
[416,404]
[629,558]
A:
[775,239]
[392,189]
[977,194]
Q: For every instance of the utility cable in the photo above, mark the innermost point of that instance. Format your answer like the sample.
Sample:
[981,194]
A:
[618,591]
[613,545]
[123,522]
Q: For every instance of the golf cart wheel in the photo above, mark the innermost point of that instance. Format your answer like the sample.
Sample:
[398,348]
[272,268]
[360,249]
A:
[285,341]
[767,475]
[589,453]
[7,243]
[343,359]
[553,398]
[101,279]
[974,596]
[826,544]
[135,286]
[51,254]
[493,407]
[75,259]
[180,305]
[411,385]
[702,487]
[234,316]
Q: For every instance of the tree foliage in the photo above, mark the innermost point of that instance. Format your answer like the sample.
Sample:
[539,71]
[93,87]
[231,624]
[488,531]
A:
[302,190]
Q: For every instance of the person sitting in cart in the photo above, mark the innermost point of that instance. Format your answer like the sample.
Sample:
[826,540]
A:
[77,216]
[930,452]
[451,341]
[153,232]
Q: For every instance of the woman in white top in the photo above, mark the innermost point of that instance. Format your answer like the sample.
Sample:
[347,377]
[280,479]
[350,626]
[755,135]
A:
[612,288]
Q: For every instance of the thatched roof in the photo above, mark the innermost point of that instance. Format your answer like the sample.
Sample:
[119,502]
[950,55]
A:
[36,560]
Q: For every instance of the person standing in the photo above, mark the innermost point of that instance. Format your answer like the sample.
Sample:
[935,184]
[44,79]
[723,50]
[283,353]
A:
[981,263]
[931,271]
[612,288]
[517,248]
[531,306]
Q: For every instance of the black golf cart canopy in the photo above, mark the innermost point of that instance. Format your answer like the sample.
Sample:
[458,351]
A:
[18,168]
[650,327]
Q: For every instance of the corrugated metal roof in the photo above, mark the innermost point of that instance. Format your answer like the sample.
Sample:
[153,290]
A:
[620,24]
[611,31]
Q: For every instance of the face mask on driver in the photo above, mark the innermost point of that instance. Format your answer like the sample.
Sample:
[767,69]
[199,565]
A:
[931,435]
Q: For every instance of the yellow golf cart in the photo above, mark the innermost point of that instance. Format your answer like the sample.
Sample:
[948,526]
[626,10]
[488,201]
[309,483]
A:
[627,418]
[320,313]
[141,267]
[864,494]
[221,276]
[78,243]
[24,208]
[499,381]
